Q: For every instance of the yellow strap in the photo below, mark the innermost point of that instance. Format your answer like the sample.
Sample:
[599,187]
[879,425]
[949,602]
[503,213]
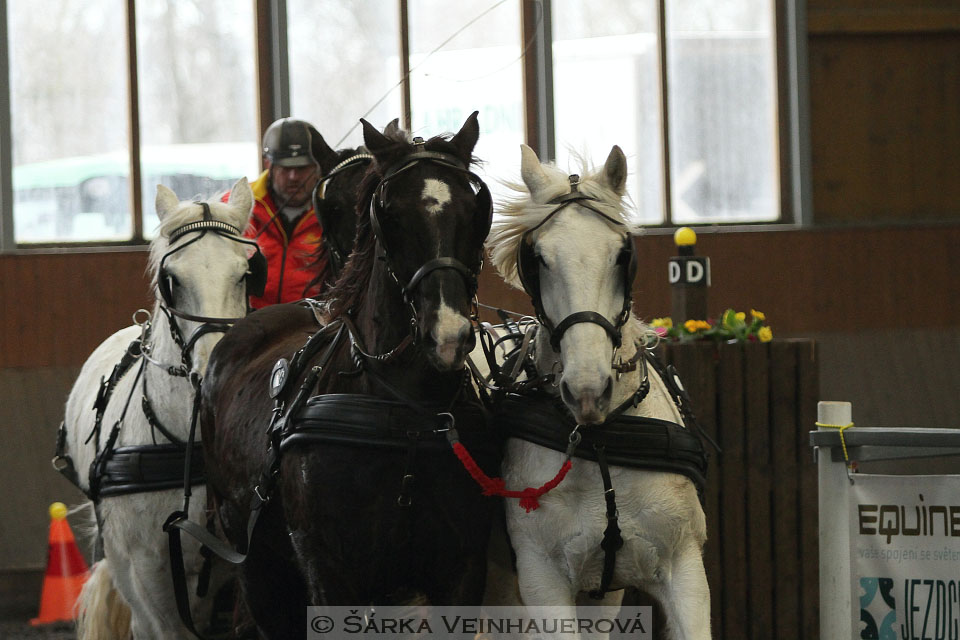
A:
[843,442]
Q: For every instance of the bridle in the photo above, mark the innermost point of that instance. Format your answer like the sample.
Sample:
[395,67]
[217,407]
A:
[378,206]
[256,278]
[338,255]
[528,269]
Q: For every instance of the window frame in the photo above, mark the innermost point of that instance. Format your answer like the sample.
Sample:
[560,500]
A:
[272,95]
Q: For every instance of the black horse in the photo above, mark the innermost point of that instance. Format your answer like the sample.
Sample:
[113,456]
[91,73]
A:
[360,499]
[334,203]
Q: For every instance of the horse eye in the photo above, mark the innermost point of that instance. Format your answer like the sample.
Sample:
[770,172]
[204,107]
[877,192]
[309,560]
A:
[172,281]
[542,261]
[623,258]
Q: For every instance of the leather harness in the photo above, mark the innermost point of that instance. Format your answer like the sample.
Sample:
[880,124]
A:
[300,417]
[157,466]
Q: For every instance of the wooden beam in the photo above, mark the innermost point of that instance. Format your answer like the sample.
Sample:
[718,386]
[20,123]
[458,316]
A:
[878,21]
[405,100]
[264,66]
[133,122]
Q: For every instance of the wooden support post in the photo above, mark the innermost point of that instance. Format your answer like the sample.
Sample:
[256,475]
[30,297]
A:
[689,277]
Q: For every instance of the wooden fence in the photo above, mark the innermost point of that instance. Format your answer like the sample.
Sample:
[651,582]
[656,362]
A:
[758,401]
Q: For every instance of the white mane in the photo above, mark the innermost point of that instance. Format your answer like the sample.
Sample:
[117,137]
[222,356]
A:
[519,214]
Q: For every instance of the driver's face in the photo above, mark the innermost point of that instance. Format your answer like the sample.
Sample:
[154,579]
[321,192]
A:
[294,185]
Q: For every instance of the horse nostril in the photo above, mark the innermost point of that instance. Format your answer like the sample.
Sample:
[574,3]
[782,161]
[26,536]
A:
[565,394]
[607,390]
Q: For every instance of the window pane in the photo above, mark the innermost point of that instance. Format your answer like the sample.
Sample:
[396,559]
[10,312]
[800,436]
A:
[195,62]
[478,70]
[722,101]
[343,59]
[69,126]
[606,91]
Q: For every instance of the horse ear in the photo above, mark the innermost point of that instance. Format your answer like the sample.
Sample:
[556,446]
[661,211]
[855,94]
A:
[532,171]
[322,153]
[392,129]
[374,140]
[167,202]
[241,200]
[466,138]
[615,171]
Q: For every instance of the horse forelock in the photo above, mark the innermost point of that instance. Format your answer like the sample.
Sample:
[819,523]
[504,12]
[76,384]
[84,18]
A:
[518,213]
[347,291]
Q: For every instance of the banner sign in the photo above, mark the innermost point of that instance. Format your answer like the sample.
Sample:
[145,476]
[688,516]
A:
[905,557]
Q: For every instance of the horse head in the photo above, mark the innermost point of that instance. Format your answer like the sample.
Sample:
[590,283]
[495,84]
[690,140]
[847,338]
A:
[334,203]
[203,268]
[572,251]
[429,216]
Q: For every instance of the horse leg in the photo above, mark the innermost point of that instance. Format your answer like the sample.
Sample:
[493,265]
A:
[543,584]
[144,581]
[685,596]
[607,608]
[273,590]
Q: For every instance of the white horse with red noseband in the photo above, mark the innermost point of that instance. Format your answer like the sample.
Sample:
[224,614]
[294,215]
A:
[199,262]
[576,249]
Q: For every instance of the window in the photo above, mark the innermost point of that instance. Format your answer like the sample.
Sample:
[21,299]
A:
[344,63]
[479,69]
[694,91]
[606,91]
[69,153]
[713,78]
[71,109]
[195,72]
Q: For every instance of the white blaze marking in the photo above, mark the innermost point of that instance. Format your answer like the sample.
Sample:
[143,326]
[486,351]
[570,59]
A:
[446,332]
[436,194]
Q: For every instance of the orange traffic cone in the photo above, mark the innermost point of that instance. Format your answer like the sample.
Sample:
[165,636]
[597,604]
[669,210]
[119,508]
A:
[66,570]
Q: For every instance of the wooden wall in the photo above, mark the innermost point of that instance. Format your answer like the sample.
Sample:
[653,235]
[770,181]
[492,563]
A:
[57,307]
[884,107]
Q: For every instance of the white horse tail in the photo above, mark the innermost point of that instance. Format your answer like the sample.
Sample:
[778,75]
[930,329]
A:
[102,614]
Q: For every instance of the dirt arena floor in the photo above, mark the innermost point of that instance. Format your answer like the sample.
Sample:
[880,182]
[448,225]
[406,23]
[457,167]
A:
[21,630]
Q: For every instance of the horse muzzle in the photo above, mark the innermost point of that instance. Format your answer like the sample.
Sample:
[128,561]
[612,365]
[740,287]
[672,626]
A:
[449,340]
[588,400]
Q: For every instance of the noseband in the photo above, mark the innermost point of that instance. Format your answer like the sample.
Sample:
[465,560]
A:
[378,205]
[528,270]
[255,280]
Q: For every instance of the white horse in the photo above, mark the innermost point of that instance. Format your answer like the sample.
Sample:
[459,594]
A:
[199,262]
[577,259]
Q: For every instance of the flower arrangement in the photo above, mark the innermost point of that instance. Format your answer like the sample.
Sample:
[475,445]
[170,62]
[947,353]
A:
[732,327]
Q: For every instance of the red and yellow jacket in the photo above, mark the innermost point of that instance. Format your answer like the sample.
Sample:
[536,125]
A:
[288,258]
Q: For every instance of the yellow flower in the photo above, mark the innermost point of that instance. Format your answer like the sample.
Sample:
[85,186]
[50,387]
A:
[757,315]
[765,334]
[741,316]
[666,323]
[692,326]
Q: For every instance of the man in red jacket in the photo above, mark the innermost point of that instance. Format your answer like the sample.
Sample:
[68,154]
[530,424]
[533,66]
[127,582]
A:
[283,221]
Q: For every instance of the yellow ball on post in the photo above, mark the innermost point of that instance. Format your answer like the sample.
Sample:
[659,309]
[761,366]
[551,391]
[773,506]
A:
[685,237]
